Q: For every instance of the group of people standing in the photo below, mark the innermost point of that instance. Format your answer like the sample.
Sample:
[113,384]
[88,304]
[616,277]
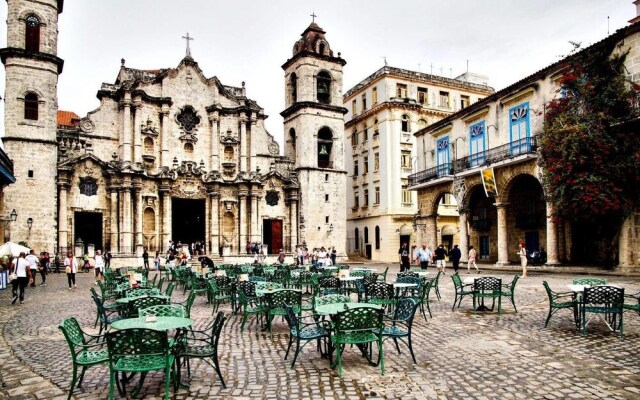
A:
[424,256]
[323,256]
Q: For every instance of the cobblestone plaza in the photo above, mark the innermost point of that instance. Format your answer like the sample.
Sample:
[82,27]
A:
[460,355]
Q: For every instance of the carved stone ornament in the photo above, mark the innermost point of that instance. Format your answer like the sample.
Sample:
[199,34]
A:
[272,198]
[188,120]
[274,149]
[459,191]
[149,130]
[86,125]
[88,186]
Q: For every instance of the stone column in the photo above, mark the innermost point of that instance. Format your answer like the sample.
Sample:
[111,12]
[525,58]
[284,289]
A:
[166,216]
[127,220]
[215,231]
[243,143]
[63,226]
[137,135]
[242,221]
[464,235]
[552,237]
[255,230]
[293,209]
[503,239]
[207,224]
[627,249]
[253,147]
[164,138]
[114,219]
[126,127]
[137,190]
[215,142]
[431,230]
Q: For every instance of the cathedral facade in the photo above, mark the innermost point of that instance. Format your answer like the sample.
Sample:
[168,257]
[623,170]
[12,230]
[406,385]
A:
[169,154]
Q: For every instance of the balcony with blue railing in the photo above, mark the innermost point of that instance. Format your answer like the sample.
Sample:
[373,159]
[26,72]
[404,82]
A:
[505,153]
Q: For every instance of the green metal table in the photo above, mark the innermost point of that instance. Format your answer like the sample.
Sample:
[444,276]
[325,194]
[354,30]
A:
[126,300]
[333,309]
[162,323]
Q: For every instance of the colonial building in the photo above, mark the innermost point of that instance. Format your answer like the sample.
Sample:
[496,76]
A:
[170,153]
[498,136]
[384,110]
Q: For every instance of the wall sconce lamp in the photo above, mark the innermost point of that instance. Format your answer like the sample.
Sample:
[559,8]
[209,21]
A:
[330,228]
[29,224]
[11,217]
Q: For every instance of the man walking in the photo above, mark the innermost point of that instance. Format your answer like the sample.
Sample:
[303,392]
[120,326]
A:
[441,253]
[423,256]
[33,261]
[455,255]
[404,257]
[145,259]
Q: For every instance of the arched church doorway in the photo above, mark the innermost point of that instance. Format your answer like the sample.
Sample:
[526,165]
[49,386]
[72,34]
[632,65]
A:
[188,220]
[272,235]
[88,228]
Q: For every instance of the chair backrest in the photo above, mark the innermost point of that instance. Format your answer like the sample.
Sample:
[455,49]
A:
[359,319]
[248,288]
[605,297]
[405,310]
[163,310]
[329,282]
[160,283]
[330,299]
[189,303]
[512,285]
[379,290]
[136,342]
[170,288]
[416,280]
[142,292]
[426,288]
[291,297]
[72,333]
[216,330]
[457,281]
[359,273]
[143,302]
[292,319]
[487,284]
[100,307]
[256,278]
[370,278]
[406,273]
[548,289]
[589,281]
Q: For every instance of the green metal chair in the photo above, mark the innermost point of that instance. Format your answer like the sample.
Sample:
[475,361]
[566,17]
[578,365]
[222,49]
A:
[86,350]
[159,284]
[487,288]
[275,305]
[412,279]
[249,306]
[202,344]
[256,278]
[509,291]
[328,285]
[461,289]
[424,298]
[401,324]
[589,281]
[634,302]
[142,292]
[109,308]
[359,326]
[380,293]
[436,284]
[143,302]
[169,290]
[105,318]
[163,310]
[217,295]
[330,299]
[304,332]
[383,276]
[138,351]
[561,301]
[606,300]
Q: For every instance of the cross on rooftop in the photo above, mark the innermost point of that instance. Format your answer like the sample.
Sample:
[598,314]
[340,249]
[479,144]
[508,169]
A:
[188,39]
[313,16]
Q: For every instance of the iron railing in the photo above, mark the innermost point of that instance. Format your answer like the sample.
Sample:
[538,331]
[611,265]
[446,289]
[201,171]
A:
[507,151]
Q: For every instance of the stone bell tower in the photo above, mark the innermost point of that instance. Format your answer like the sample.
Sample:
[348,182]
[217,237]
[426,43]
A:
[31,104]
[314,138]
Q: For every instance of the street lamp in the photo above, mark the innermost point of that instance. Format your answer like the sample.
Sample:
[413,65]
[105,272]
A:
[9,218]
[29,224]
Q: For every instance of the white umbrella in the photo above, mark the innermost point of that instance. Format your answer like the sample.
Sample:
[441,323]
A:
[13,249]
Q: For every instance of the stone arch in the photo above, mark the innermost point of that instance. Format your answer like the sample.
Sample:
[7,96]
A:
[432,207]
[325,146]
[324,82]
[25,13]
[148,146]
[149,228]
[293,87]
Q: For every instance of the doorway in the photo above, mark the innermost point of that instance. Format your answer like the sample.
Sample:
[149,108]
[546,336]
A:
[88,228]
[188,220]
[272,235]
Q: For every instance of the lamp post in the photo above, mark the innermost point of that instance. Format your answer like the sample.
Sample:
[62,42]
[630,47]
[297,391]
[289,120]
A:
[29,224]
[11,217]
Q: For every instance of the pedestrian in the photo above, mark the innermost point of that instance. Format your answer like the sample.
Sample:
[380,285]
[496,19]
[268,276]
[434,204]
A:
[156,261]
[423,255]
[99,260]
[107,259]
[71,267]
[455,255]
[44,268]
[404,257]
[334,255]
[21,274]
[281,256]
[34,265]
[86,265]
[145,259]
[472,259]
[522,252]
[248,247]
[441,253]
[56,261]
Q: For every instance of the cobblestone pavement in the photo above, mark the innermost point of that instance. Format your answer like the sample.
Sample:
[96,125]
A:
[460,355]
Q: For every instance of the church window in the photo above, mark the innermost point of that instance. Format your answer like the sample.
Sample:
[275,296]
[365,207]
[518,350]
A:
[325,142]
[228,153]
[405,123]
[374,96]
[364,101]
[401,90]
[377,234]
[519,129]
[148,146]
[323,87]
[188,147]
[321,48]
[30,173]
[357,238]
[32,33]
[326,219]
[188,119]
[422,96]
[31,106]
[326,177]
[292,143]
[294,88]
[376,128]
[376,162]
[326,198]
[366,234]
[88,186]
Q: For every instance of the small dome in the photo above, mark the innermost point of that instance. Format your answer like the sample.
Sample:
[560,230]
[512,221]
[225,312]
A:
[313,41]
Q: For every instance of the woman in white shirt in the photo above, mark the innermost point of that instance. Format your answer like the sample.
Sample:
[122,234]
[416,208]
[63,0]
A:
[71,266]
[99,265]
[20,267]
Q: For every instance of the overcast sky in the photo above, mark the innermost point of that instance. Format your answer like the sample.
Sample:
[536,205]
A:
[248,40]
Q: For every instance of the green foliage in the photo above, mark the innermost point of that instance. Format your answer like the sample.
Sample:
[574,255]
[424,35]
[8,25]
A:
[589,150]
